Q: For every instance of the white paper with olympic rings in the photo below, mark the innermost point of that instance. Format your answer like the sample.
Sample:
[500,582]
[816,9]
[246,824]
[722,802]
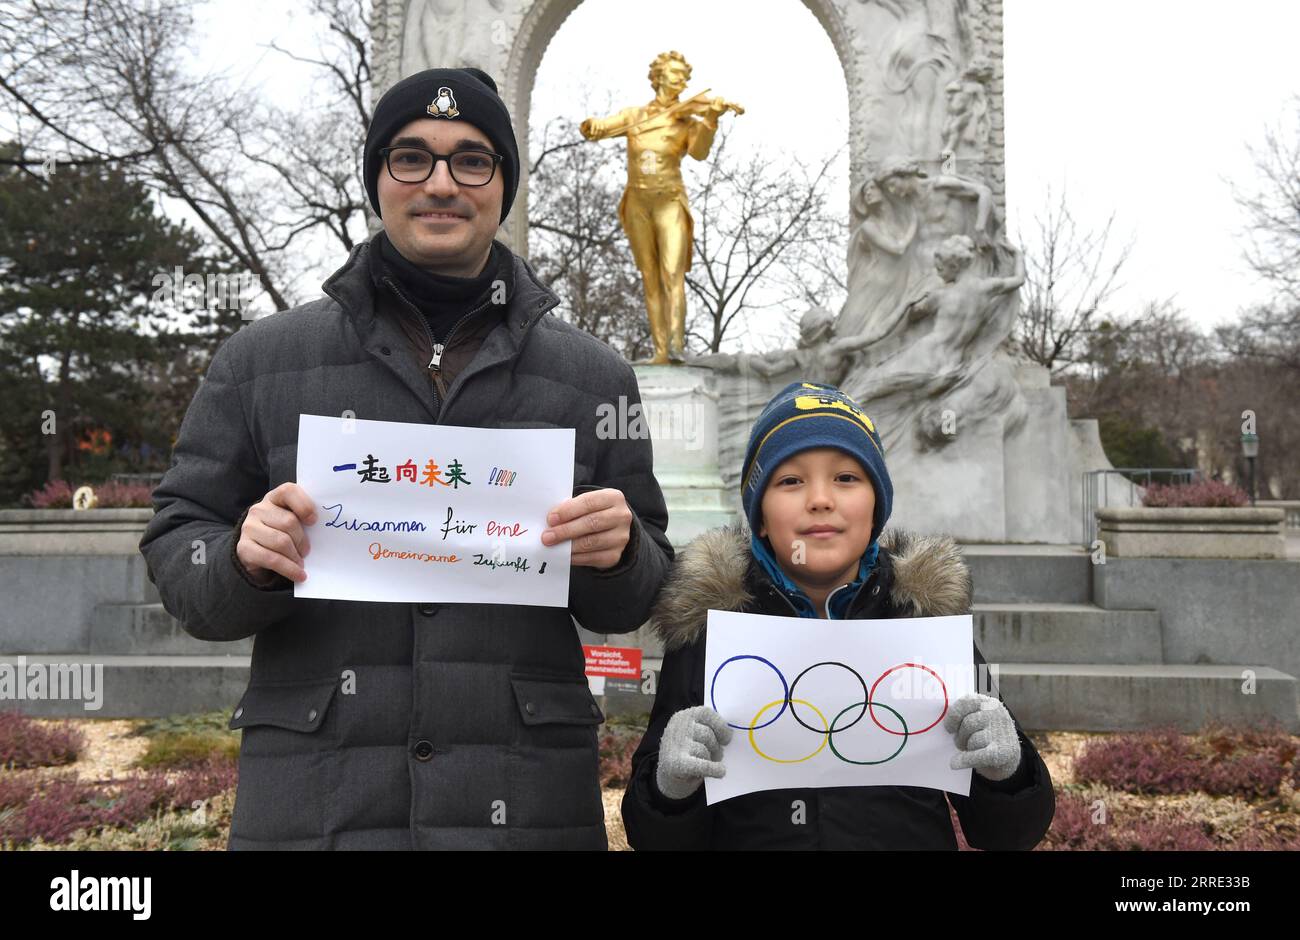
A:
[783,682]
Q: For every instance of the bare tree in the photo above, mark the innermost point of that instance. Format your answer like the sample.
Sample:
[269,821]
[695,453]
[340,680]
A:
[1071,276]
[106,82]
[319,150]
[1273,210]
[764,238]
[1270,332]
[576,241]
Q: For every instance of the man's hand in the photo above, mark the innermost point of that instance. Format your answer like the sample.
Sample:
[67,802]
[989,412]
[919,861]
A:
[600,524]
[272,540]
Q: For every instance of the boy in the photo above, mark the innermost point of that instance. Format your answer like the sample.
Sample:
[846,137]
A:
[814,479]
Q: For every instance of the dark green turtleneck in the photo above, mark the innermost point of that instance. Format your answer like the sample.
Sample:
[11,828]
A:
[442,298]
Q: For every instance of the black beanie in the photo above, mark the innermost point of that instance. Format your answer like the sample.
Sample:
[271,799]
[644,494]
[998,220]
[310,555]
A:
[473,99]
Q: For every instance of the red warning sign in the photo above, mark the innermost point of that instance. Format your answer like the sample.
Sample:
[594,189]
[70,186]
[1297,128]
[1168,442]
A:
[615,662]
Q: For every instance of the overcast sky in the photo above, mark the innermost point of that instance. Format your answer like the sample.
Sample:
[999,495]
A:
[1141,107]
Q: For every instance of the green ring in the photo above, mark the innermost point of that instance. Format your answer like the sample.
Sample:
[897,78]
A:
[862,763]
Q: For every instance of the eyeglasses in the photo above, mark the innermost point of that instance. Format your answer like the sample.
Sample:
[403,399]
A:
[415,164]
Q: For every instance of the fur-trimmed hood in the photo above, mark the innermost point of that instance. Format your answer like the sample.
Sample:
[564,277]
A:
[710,573]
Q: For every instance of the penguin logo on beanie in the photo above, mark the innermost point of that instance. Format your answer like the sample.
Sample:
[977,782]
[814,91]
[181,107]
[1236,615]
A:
[444,105]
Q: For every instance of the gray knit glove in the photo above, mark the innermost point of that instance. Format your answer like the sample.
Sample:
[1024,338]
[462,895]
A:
[690,750]
[986,736]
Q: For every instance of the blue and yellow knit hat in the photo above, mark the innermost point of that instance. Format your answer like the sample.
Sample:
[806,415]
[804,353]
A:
[804,415]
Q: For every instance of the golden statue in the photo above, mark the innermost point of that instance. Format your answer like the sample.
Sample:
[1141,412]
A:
[654,211]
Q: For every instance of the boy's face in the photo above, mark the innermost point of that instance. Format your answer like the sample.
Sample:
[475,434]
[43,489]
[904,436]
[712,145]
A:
[817,512]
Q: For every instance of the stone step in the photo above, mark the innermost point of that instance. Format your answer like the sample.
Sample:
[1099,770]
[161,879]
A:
[1066,633]
[1025,574]
[1113,697]
[1043,696]
[127,686]
[148,630]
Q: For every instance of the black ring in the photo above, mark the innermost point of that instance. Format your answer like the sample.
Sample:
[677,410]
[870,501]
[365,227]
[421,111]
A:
[866,697]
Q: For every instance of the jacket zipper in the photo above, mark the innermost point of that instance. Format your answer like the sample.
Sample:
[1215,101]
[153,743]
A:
[435,363]
[788,603]
[827,605]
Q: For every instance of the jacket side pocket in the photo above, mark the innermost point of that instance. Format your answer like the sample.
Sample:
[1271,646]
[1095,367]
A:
[287,764]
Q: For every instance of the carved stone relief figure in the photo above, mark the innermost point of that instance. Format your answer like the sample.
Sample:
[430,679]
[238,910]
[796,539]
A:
[884,269]
[437,33]
[953,325]
[945,363]
[821,355]
[930,39]
[747,381]
[905,213]
[966,129]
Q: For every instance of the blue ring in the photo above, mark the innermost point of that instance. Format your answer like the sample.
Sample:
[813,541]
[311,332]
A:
[785,692]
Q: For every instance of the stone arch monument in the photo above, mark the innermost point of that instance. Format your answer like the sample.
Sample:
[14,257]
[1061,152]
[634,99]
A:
[979,445]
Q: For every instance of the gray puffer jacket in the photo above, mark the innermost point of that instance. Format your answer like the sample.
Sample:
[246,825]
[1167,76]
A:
[394,725]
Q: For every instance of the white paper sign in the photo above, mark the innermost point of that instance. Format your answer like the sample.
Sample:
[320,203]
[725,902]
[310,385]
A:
[436,513]
[836,703]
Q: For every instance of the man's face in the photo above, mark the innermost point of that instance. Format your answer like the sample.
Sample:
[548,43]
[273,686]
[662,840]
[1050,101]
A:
[440,224]
[819,489]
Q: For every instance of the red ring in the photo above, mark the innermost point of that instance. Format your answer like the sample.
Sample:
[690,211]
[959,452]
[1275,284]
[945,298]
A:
[942,684]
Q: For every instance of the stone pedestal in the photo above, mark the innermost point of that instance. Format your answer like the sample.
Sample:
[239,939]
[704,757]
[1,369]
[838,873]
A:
[681,410]
[1038,476]
[1192,532]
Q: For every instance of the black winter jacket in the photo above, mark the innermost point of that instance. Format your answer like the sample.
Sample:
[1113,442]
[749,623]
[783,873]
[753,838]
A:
[914,577]
[372,725]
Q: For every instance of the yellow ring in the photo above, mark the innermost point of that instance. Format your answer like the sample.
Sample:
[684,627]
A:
[797,760]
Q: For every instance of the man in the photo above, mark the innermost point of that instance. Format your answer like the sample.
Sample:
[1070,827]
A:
[411,726]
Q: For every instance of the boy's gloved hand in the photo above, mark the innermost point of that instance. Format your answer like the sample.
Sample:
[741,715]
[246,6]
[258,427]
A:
[986,736]
[690,750]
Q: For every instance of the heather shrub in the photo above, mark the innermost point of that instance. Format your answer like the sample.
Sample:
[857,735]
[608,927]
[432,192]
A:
[57,494]
[616,752]
[56,807]
[124,495]
[16,789]
[1073,828]
[1202,493]
[1247,762]
[25,743]
[1154,761]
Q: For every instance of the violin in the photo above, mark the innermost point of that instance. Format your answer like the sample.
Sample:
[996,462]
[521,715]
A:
[697,105]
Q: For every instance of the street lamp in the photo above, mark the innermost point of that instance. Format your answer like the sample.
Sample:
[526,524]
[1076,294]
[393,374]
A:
[1250,450]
